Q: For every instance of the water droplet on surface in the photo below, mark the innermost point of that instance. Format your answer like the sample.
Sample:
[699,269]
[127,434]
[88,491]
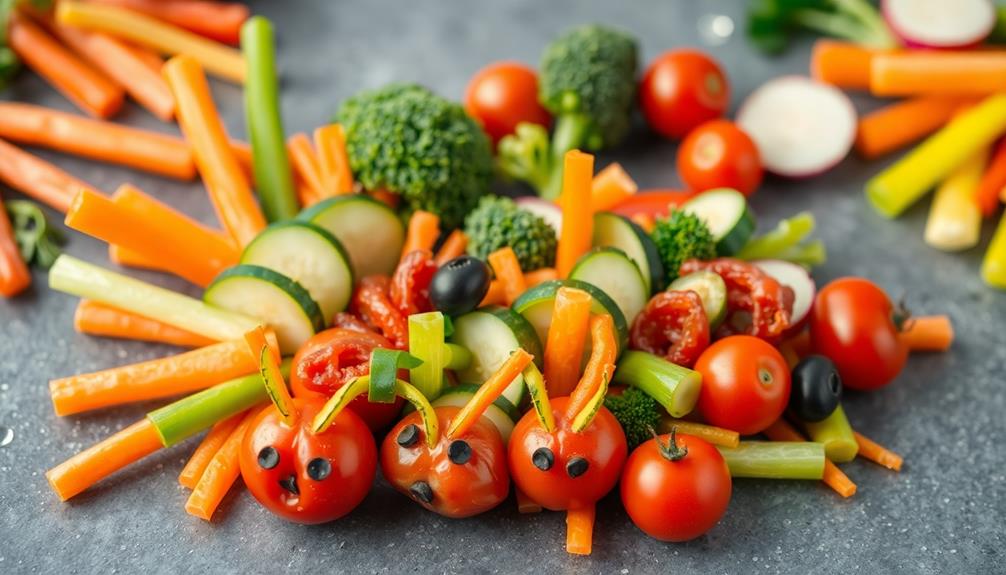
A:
[716,29]
[6,435]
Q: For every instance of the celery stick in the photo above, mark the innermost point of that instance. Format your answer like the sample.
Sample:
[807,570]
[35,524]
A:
[994,263]
[426,342]
[835,433]
[73,276]
[775,459]
[786,235]
[674,387]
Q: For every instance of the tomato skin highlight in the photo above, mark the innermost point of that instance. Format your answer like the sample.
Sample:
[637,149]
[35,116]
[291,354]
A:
[853,324]
[676,500]
[682,89]
[745,384]
[718,154]
[502,95]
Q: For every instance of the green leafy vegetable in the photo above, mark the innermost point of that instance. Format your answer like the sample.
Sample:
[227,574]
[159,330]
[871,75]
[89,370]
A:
[38,241]
[771,23]
[498,222]
[682,236]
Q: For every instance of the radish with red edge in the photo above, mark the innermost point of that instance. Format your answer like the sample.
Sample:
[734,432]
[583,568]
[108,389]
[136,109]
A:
[544,209]
[796,278]
[940,23]
[802,127]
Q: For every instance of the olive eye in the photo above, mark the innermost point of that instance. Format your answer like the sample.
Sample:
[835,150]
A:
[422,491]
[459,452]
[319,468]
[409,435]
[543,458]
[577,467]
[268,458]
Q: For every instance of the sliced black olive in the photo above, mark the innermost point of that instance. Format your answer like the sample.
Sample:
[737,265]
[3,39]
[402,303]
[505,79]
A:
[543,458]
[817,388]
[577,467]
[459,452]
[459,285]
[268,458]
[409,435]
[290,484]
[422,491]
[319,468]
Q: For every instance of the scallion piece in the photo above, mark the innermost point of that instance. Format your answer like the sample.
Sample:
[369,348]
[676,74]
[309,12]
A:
[384,366]
[836,434]
[426,342]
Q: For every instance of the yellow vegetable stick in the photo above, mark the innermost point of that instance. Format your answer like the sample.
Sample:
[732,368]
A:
[994,264]
[954,217]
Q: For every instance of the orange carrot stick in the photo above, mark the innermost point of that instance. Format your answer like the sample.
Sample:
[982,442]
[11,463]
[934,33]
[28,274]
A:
[993,182]
[929,333]
[243,154]
[390,199]
[610,187]
[896,126]
[710,433]
[580,530]
[102,459]
[126,257]
[220,473]
[868,449]
[155,379]
[14,274]
[207,450]
[645,221]
[540,276]
[38,179]
[227,185]
[577,217]
[488,392]
[507,268]
[336,176]
[525,504]
[833,476]
[453,247]
[567,337]
[915,72]
[220,21]
[150,58]
[424,229]
[842,64]
[96,318]
[87,88]
[603,351]
[305,164]
[496,294]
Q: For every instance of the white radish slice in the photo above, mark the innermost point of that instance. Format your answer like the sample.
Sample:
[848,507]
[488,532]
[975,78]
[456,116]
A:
[797,278]
[802,127]
[940,23]
[547,210]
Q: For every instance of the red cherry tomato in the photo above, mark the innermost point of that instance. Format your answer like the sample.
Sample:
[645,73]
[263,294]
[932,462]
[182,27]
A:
[854,324]
[460,477]
[745,384]
[676,499]
[682,89]
[673,325]
[718,154]
[502,95]
[410,286]
[566,470]
[330,359]
[308,477]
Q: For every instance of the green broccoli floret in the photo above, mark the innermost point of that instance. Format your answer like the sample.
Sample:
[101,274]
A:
[406,139]
[637,412]
[499,222]
[587,80]
[679,237]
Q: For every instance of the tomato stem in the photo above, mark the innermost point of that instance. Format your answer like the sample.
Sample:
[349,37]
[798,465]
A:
[671,451]
[901,315]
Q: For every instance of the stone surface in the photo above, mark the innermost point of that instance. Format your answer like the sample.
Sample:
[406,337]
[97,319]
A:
[944,513]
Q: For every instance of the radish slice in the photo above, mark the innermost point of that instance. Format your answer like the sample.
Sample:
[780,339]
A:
[940,23]
[797,278]
[547,210]
[801,126]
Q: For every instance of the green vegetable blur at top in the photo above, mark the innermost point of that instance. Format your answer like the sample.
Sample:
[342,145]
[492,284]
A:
[787,241]
[498,222]
[587,81]
[10,64]
[682,236]
[771,23]
[405,139]
[637,412]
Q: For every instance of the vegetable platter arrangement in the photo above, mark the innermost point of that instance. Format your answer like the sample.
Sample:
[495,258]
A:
[369,304]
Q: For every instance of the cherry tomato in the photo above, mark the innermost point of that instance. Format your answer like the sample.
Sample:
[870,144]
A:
[410,286]
[682,89]
[563,469]
[718,154]
[308,477]
[652,202]
[502,95]
[745,384]
[676,487]
[854,324]
[330,359]
[460,477]
[673,325]
[372,303]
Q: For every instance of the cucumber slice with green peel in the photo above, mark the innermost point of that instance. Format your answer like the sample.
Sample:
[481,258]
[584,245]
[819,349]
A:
[611,270]
[492,334]
[276,300]
[536,304]
[614,230]
[309,255]
[725,211]
[371,232]
[501,412]
[711,288]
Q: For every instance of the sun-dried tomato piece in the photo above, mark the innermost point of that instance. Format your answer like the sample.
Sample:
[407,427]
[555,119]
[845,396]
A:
[672,325]
[410,286]
[372,304]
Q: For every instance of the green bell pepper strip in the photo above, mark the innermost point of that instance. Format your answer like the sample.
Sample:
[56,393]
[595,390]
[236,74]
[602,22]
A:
[674,387]
[835,433]
[775,459]
[384,366]
[786,235]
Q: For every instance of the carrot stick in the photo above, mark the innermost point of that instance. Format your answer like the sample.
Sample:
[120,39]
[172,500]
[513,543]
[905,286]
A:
[243,154]
[453,247]
[496,294]
[915,72]
[645,221]
[390,199]
[102,459]
[540,276]
[95,318]
[507,268]
[580,530]
[87,88]
[207,449]
[868,449]
[896,126]
[220,473]
[218,59]
[126,257]
[603,351]
[993,182]
[525,504]
[424,229]
[227,185]
[14,274]
[220,21]
[150,58]
[567,337]
[842,64]
[833,476]
[577,217]
[174,375]
[712,434]
[610,187]
[333,160]
[488,392]
[305,164]
[929,333]
[38,179]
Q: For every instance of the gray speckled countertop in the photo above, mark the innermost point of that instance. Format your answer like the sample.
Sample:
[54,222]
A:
[943,514]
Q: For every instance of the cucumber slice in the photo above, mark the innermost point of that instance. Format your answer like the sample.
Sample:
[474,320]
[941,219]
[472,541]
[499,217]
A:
[276,300]
[491,334]
[536,304]
[613,230]
[370,231]
[501,412]
[711,288]
[310,256]
[618,276]
[726,213]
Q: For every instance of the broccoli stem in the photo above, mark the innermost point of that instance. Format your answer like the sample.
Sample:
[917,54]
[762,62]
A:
[531,156]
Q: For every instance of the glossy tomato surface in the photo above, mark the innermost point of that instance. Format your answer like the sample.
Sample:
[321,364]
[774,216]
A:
[718,154]
[502,95]
[682,89]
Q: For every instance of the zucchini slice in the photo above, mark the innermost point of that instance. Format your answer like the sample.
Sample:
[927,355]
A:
[726,213]
[614,230]
[371,232]
[501,412]
[617,275]
[711,289]
[536,306]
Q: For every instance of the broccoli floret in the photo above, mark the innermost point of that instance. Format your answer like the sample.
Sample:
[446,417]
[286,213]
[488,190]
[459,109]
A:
[406,139]
[637,412]
[498,222]
[587,81]
[679,237]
